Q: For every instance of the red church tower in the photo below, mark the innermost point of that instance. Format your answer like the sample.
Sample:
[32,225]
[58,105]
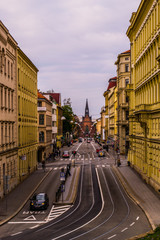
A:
[87,124]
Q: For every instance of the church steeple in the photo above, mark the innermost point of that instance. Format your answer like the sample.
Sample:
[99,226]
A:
[86,108]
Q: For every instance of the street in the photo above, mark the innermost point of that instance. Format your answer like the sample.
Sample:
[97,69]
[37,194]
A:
[102,209]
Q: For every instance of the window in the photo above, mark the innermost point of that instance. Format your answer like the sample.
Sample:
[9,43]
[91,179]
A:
[127,115]
[126,67]
[11,70]
[41,119]
[39,104]
[41,137]
[127,82]
[8,69]
[2,134]
[127,58]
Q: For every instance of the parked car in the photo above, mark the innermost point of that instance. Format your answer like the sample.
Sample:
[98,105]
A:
[65,154]
[101,153]
[39,201]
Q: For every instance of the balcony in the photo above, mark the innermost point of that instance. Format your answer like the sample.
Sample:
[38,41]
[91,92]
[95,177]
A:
[147,108]
[41,109]
[54,118]
[124,105]
[54,129]
[123,122]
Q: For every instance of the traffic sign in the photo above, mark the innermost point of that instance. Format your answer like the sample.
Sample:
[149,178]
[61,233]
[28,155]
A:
[62,176]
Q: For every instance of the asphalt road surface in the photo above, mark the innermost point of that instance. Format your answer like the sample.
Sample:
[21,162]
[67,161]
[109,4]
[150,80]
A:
[102,209]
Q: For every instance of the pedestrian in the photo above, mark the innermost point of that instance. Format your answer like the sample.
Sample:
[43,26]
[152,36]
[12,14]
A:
[43,165]
[68,169]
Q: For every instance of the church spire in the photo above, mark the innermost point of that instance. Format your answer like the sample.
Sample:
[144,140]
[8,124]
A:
[86,108]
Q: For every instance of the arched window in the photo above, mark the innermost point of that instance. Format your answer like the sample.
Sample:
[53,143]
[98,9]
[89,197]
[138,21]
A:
[41,137]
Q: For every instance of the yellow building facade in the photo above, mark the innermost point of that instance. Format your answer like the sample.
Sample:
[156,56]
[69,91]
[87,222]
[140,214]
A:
[144,91]
[27,115]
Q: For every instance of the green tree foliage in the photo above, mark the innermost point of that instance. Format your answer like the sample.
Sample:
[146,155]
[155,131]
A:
[69,116]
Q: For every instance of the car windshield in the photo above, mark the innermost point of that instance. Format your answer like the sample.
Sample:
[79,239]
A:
[40,197]
[65,152]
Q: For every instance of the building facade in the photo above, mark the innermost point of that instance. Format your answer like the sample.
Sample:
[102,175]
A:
[27,115]
[8,112]
[111,90]
[123,79]
[144,91]
[44,127]
[50,96]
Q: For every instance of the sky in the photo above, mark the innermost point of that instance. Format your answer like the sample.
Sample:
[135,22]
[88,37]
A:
[73,43]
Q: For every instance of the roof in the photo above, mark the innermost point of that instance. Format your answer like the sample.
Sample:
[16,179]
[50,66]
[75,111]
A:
[112,82]
[128,51]
[56,97]
[40,95]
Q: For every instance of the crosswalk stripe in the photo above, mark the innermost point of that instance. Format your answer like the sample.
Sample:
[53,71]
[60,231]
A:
[56,212]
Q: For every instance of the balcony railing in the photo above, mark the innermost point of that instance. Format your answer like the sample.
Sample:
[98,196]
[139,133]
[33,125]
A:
[41,109]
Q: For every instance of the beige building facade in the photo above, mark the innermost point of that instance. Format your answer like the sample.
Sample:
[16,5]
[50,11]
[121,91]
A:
[123,79]
[44,127]
[8,112]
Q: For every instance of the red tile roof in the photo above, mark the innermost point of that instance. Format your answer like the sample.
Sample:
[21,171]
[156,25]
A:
[112,82]
[128,51]
[56,97]
[40,95]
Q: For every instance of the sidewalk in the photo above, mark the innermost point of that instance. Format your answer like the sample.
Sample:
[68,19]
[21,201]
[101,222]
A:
[13,202]
[140,192]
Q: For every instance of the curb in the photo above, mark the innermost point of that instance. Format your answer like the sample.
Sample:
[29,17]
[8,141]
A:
[18,210]
[132,194]
[72,193]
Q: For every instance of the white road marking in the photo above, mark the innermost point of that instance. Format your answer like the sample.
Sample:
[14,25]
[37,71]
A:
[124,229]
[92,218]
[14,234]
[30,218]
[103,165]
[56,212]
[27,222]
[55,168]
[34,226]
[132,224]
[112,236]
[137,218]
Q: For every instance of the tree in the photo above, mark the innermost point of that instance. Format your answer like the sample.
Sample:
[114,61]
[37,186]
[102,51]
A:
[69,117]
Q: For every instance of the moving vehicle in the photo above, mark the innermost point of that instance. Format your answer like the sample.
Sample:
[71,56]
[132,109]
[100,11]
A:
[39,201]
[101,153]
[65,154]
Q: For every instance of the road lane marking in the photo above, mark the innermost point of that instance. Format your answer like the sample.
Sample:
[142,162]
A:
[112,236]
[27,222]
[137,218]
[132,224]
[57,211]
[30,218]
[124,229]
[92,218]
[34,226]
[14,234]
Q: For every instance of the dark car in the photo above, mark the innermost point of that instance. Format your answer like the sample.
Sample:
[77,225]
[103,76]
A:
[101,153]
[65,154]
[39,201]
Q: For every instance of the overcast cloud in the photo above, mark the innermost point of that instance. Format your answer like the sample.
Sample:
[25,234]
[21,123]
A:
[73,43]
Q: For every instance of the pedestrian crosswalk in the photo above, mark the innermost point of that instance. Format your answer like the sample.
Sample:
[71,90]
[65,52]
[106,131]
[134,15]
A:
[56,211]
